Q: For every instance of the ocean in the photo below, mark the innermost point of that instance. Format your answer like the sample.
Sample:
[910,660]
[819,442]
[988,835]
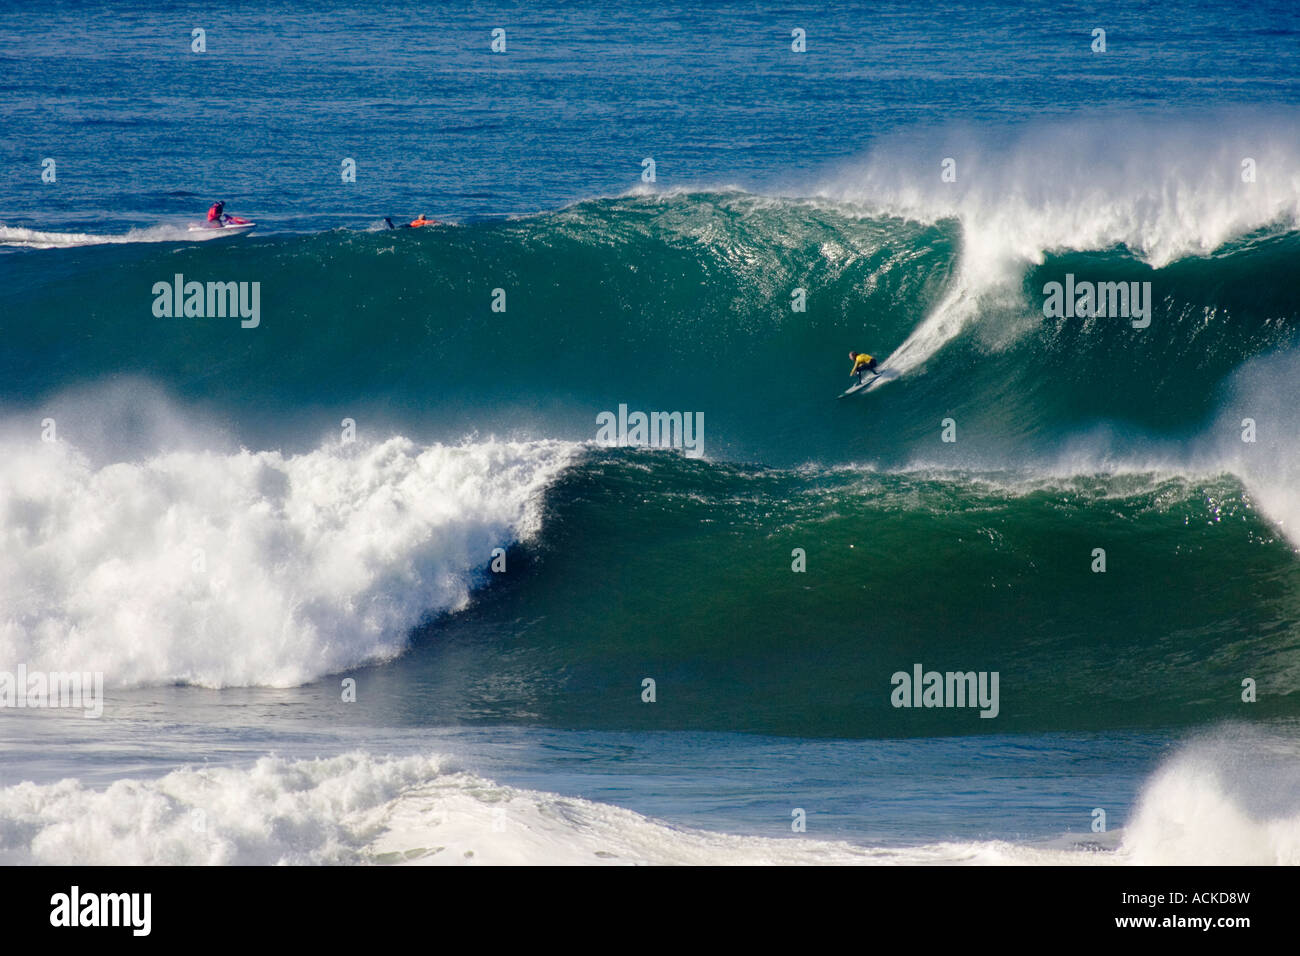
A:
[542,535]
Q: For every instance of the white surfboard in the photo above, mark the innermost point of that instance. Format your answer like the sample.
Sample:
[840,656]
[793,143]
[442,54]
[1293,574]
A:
[857,387]
[869,382]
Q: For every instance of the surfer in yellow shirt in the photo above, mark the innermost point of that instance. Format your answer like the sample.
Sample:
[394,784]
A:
[862,362]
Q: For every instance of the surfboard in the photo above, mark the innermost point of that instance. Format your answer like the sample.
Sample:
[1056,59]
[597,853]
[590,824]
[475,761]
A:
[869,382]
[862,386]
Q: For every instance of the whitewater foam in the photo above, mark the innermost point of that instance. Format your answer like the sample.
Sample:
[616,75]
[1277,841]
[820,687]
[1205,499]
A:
[423,810]
[38,239]
[1079,186]
[249,568]
[1229,797]
[1265,392]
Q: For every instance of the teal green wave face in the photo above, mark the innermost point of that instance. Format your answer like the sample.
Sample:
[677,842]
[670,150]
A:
[786,601]
[739,308]
[685,303]
[1074,439]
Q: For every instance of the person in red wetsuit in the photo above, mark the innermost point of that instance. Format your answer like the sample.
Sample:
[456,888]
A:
[217,217]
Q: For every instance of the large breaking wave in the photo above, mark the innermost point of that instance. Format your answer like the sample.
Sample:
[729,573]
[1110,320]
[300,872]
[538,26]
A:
[1071,435]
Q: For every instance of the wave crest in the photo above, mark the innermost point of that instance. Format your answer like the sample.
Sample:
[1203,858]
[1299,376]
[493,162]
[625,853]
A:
[252,568]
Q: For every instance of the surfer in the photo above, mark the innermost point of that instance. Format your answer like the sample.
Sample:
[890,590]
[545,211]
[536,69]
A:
[421,220]
[862,362]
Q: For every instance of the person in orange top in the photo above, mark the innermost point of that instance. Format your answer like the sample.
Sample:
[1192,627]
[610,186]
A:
[423,220]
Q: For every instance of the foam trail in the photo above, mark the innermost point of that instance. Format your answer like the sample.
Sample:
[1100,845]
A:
[1075,187]
[37,239]
[249,568]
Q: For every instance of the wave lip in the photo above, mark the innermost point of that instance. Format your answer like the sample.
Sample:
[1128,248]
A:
[253,568]
[1079,186]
